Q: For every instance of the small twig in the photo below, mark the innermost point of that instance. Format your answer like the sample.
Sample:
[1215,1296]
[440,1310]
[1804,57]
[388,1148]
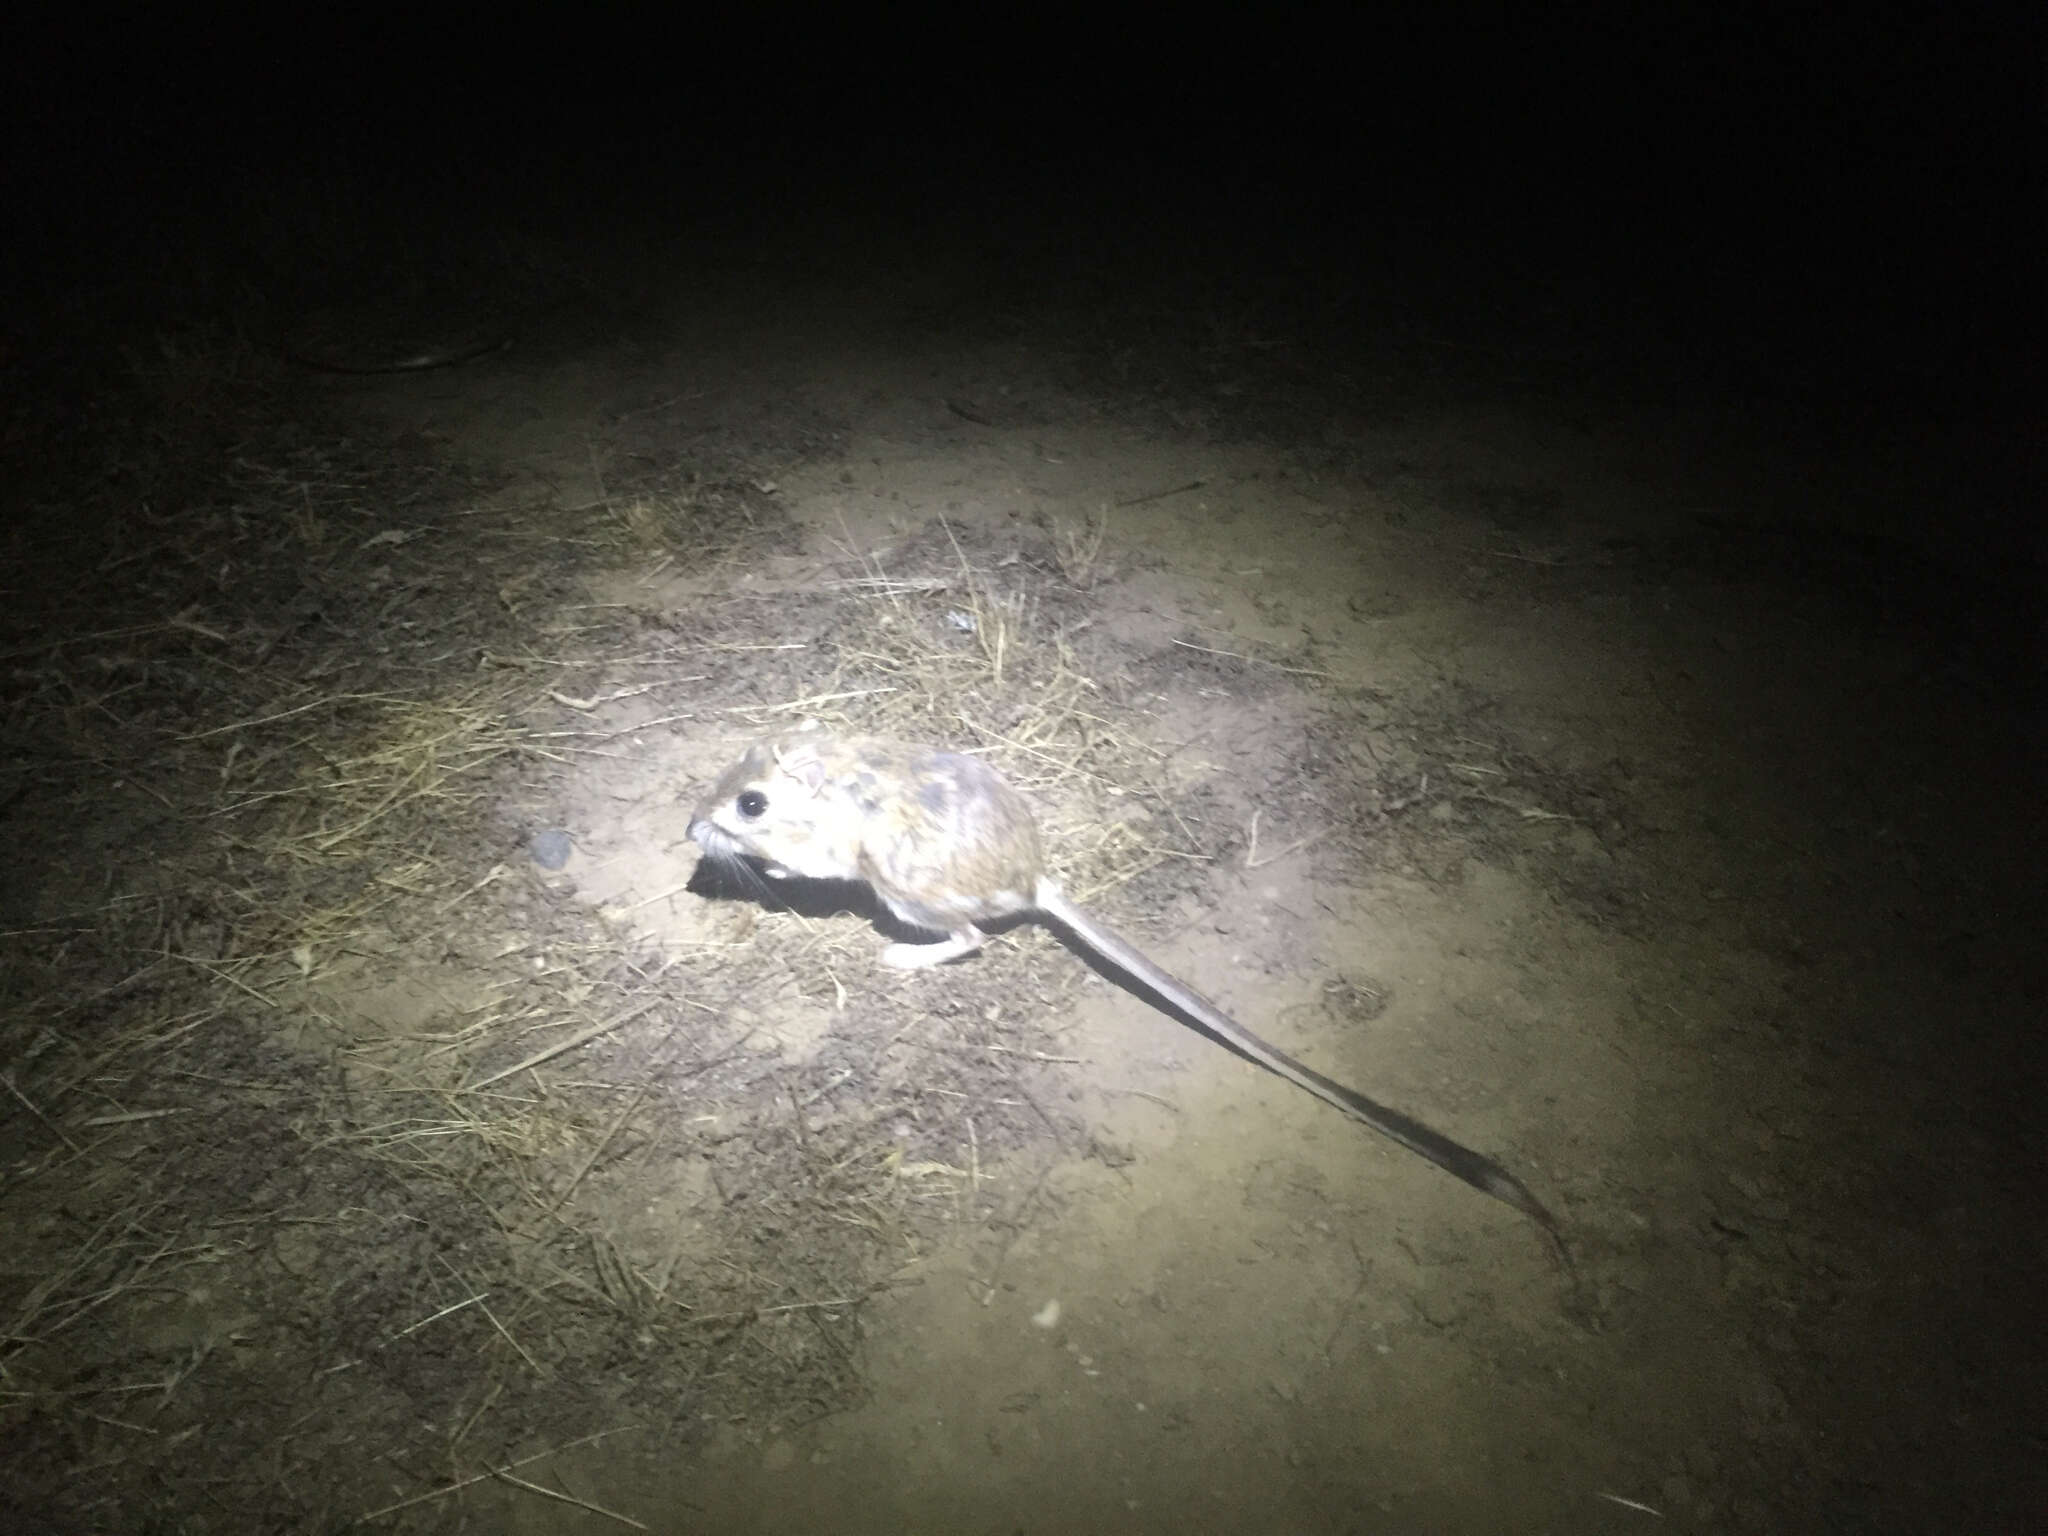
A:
[129,632]
[497,1387]
[1527,813]
[611,735]
[127,1117]
[1400,803]
[456,1487]
[48,1124]
[481,1296]
[817,698]
[130,979]
[1174,853]
[787,1306]
[1639,1508]
[1139,1093]
[532,1363]
[1029,751]
[1005,1050]
[1210,650]
[889,586]
[586,705]
[571,1499]
[597,1151]
[286,714]
[674,890]
[520,1349]
[185,621]
[233,981]
[838,1080]
[1251,857]
[664,658]
[955,1093]
[549,1053]
[497,870]
[1178,490]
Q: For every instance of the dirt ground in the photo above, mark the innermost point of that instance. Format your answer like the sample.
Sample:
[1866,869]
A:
[401,1133]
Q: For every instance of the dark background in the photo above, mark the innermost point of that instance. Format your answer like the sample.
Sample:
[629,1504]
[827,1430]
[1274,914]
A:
[1829,205]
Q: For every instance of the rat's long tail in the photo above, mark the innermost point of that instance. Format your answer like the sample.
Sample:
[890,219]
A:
[1482,1173]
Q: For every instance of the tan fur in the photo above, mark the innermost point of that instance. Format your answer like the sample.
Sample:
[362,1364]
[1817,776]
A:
[940,836]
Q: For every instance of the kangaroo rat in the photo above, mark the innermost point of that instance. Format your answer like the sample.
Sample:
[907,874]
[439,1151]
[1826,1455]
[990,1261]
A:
[947,845]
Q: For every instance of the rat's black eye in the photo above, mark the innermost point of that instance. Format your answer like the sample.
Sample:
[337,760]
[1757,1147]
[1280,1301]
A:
[752,804]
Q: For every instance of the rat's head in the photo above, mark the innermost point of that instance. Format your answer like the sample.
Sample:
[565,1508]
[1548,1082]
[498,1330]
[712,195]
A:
[775,806]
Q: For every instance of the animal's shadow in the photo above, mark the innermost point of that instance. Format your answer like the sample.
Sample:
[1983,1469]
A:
[808,896]
[745,880]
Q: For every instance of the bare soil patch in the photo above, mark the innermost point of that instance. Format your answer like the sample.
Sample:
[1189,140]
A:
[401,1132]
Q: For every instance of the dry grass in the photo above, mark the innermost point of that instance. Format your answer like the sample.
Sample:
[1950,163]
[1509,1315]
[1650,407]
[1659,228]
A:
[573,1192]
[937,644]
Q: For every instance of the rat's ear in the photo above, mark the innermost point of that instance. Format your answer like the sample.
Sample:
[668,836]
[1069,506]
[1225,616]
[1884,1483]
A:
[802,763]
